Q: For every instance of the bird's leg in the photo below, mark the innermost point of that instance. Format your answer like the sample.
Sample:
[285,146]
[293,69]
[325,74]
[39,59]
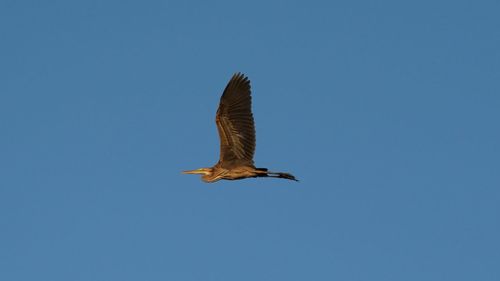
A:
[281,175]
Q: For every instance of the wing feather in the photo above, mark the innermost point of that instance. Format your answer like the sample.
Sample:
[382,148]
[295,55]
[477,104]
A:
[235,123]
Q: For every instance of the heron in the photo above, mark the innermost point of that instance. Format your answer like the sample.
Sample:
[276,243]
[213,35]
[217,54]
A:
[236,128]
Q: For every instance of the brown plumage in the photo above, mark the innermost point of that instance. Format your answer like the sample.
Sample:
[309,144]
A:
[236,129]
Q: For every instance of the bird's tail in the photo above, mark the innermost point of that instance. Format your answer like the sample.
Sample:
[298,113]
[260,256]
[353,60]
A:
[263,172]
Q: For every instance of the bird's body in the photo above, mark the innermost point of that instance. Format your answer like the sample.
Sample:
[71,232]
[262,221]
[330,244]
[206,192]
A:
[236,129]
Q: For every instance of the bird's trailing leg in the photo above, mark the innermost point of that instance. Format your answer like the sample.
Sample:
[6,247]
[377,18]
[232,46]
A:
[263,172]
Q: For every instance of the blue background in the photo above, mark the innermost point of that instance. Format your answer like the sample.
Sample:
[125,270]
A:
[387,111]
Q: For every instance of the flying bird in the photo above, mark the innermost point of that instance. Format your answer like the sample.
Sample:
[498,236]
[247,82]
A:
[236,129]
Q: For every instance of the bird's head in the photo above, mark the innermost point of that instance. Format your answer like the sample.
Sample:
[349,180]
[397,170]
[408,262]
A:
[200,171]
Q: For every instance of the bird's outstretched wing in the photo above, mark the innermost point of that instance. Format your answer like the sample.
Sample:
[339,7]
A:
[235,123]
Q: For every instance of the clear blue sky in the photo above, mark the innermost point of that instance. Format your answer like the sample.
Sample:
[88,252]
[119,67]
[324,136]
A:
[387,111]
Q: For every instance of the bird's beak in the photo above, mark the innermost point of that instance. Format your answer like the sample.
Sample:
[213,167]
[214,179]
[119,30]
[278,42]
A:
[192,172]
